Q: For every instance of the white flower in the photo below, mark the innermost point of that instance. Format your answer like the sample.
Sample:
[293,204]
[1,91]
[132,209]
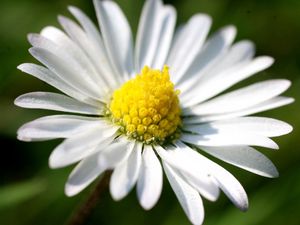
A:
[137,125]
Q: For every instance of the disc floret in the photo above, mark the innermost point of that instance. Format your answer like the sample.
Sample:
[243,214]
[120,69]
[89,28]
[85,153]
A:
[147,107]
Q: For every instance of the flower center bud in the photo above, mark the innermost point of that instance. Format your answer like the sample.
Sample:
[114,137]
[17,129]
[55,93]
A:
[147,107]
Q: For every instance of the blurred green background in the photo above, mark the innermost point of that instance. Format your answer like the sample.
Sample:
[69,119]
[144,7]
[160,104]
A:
[31,193]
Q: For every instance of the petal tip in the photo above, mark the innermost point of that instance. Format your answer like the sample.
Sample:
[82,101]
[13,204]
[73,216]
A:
[74,10]
[61,18]
[115,194]
[21,137]
[276,147]
[53,161]
[289,128]
[286,128]
[146,205]
[22,67]
[16,101]
[32,50]
[268,60]
[231,27]
[244,206]
[70,191]
[31,37]
[275,175]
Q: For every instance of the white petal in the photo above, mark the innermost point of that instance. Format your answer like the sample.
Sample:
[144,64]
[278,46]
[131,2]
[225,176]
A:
[188,44]
[117,36]
[188,197]
[81,38]
[239,54]
[227,182]
[165,37]
[82,145]
[54,80]
[256,125]
[90,168]
[213,85]
[213,49]
[224,139]
[270,104]
[155,33]
[57,102]
[246,158]
[126,174]
[98,52]
[209,190]
[67,71]
[231,187]
[89,27]
[52,37]
[148,33]
[191,171]
[83,174]
[58,126]
[241,99]
[117,153]
[58,43]
[150,181]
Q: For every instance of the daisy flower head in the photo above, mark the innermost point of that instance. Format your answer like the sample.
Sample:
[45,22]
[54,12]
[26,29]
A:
[153,106]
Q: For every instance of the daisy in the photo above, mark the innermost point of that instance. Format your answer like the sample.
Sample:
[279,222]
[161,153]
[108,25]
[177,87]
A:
[154,106]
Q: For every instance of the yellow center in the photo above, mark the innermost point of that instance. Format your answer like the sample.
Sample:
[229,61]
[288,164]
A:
[147,107]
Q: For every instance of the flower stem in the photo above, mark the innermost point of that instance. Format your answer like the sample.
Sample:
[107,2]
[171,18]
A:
[82,213]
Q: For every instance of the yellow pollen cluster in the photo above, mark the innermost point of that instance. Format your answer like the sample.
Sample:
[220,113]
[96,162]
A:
[147,107]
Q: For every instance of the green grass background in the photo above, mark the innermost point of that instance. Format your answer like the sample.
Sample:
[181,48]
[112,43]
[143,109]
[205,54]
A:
[31,193]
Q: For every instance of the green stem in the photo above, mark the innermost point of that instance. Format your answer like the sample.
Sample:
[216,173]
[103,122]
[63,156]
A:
[82,213]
